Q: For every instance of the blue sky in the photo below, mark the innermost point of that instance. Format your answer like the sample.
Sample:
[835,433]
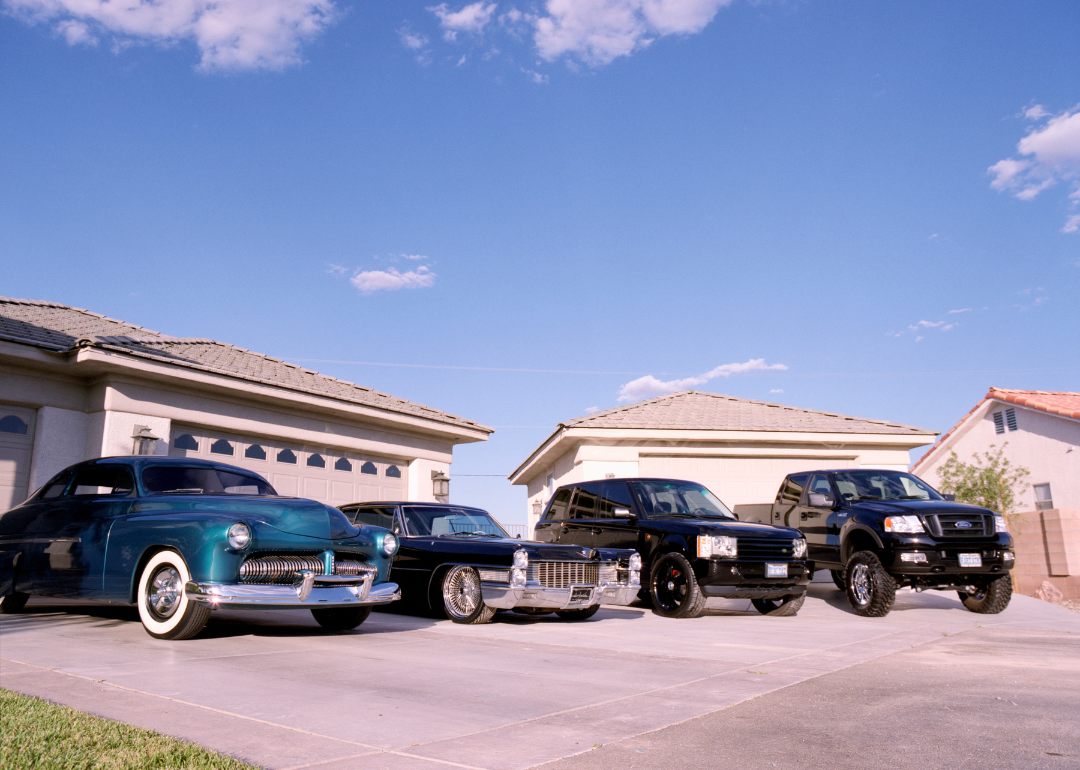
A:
[881,198]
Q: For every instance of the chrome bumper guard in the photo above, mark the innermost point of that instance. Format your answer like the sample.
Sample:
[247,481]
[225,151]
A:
[505,597]
[308,591]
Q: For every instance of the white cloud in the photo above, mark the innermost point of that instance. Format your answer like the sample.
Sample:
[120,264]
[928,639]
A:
[536,77]
[333,269]
[369,281]
[777,390]
[962,310]
[1050,154]
[645,387]
[471,18]
[592,410]
[414,41]
[230,34]
[413,256]
[599,31]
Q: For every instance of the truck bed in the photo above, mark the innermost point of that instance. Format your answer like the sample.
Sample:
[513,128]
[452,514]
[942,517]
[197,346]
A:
[757,512]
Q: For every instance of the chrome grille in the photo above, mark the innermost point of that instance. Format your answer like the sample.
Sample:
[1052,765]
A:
[609,573]
[563,574]
[282,568]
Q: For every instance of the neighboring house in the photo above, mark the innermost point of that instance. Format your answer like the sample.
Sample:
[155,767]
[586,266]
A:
[738,448]
[1040,431]
[76,385]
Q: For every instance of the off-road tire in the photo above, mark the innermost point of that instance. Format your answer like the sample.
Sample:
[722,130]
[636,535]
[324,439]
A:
[12,603]
[838,579]
[781,608]
[462,598]
[584,614]
[674,589]
[870,589]
[991,600]
[164,608]
[341,618]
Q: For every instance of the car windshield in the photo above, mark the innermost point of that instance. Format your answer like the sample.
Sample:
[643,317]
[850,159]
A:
[674,498]
[883,485]
[439,521]
[176,480]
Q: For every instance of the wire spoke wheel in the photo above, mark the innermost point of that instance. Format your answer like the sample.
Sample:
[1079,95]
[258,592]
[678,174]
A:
[462,598]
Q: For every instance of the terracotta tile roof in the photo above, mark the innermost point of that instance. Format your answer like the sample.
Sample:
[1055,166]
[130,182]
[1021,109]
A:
[693,410]
[1058,402]
[59,328]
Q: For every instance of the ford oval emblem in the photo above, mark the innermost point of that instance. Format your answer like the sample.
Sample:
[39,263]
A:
[963,525]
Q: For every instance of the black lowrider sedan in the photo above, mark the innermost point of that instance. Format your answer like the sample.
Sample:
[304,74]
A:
[461,561]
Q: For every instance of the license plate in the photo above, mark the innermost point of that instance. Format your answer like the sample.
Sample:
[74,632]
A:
[775,570]
[580,594]
[971,560]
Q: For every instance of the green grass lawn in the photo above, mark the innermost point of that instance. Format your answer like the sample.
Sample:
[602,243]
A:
[37,734]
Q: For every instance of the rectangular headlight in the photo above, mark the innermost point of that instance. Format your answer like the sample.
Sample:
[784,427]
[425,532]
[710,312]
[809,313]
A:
[717,545]
[904,524]
[999,524]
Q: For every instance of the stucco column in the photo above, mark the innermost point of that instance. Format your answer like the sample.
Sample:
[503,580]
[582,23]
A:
[59,441]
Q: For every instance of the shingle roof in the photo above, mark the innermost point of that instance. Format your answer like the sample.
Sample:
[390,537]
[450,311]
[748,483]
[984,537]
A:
[1059,402]
[693,410]
[59,328]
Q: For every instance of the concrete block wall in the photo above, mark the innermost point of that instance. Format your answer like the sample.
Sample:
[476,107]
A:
[1047,548]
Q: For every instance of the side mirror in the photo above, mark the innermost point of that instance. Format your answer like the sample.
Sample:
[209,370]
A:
[950,497]
[818,500]
[622,513]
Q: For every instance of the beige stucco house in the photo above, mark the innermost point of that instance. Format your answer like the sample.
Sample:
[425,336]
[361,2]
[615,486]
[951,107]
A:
[738,448]
[1039,430]
[76,385]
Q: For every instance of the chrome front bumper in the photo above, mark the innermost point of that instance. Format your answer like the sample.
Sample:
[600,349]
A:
[505,597]
[309,592]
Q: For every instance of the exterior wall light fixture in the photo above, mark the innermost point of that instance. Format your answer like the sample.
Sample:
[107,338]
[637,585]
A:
[143,441]
[538,507]
[440,484]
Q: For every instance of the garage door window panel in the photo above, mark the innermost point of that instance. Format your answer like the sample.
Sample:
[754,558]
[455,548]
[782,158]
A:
[369,469]
[316,461]
[343,465]
[186,442]
[13,424]
[393,472]
[286,456]
[255,452]
[221,447]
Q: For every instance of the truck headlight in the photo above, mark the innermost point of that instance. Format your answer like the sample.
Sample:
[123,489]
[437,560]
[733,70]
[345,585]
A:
[389,544]
[911,525]
[521,559]
[999,524]
[635,561]
[717,545]
[798,547]
[239,536]
[517,577]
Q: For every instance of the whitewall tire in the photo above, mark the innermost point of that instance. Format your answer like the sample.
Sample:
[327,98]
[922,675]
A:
[164,609]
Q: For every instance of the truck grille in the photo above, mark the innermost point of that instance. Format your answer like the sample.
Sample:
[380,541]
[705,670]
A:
[949,525]
[764,548]
[281,569]
[563,574]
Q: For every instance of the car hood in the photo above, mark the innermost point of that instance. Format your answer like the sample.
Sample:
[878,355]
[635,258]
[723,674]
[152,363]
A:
[729,528]
[291,515]
[896,507]
[491,546]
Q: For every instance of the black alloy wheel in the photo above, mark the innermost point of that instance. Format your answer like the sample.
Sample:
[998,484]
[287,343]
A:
[785,606]
[341,618]
[674,590]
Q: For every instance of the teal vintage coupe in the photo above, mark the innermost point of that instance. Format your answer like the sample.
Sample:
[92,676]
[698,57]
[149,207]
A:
[180,538]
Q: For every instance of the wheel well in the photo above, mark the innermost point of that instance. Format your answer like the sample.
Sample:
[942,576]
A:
[147,555]
[858,541]
[435,586]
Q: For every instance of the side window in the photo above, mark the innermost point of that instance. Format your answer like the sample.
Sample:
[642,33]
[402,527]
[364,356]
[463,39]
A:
[585,502]
[374,517]
[103,480]
[792,488]
[558,508]
[56,488]
[615,495]
[820,483]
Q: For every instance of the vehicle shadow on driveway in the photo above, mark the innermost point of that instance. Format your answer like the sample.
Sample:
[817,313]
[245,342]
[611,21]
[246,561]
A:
[906,599]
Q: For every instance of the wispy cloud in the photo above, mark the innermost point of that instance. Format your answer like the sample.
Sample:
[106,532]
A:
[1049,154]
[392,279]
[230,34]
[333,269]
[648,386]
[919,328]
[471,18]
[777,390]
[414,41]
[962,310]
[592,409]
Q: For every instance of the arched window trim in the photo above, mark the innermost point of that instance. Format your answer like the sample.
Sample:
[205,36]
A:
[393,472]
[291,454]
[215,448]
[190,443]
[343,464]
[369,469]
[260,453]
[315,460]
[12,423]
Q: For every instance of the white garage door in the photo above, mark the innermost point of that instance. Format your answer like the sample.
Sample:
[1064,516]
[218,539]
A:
[737,480]
[325,474]
[16,447]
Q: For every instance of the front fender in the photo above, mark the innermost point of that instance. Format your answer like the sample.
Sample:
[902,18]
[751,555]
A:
[847,532]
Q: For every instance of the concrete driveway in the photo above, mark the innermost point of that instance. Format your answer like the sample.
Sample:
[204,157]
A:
[409,692]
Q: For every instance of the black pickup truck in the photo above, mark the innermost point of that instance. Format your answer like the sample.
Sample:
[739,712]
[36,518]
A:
[692,547]
[878,530]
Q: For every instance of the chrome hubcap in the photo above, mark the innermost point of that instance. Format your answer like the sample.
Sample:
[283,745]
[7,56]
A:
[164,592]
[860,583]
[461,592]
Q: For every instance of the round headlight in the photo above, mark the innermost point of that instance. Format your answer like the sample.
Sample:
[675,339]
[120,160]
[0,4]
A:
[517,577]
[635,561]
[521,559]
[239,535]
[389,544]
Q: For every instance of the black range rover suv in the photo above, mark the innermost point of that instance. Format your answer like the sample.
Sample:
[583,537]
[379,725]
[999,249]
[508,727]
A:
[691,545]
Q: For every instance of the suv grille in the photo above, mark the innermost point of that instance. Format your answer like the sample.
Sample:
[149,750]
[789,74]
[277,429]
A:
[563,574]
[950,525]
[762,548]
[281,569]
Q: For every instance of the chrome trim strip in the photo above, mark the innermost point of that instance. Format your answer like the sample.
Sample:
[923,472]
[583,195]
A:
[337,593]
[532,594]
